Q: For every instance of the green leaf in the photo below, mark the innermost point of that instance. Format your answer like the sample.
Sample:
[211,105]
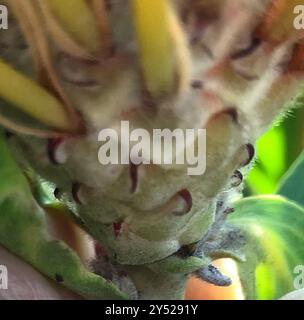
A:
[292,184]
[23,231]
[11,178]
[271,162]
[278,149]
[273,229]
[31,98]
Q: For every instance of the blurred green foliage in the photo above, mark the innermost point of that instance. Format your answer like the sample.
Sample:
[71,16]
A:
[277,151]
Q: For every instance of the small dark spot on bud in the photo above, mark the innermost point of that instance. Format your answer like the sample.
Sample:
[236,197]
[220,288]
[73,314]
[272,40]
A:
[187,250]
[251,152]
[255,43]
[220,204]
[59,278]
[57,193]
[229,211]
[197,84]
[117,228]
[8,134]
[134,176]
[236,179]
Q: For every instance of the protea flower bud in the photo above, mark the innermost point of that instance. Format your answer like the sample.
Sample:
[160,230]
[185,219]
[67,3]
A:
[224,66]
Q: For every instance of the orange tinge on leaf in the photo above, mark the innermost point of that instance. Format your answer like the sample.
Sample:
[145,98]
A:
[200,290]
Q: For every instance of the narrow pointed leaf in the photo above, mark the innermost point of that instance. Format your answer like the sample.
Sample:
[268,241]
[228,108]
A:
[291,185]
[77,18]
[32,99]
[155,44]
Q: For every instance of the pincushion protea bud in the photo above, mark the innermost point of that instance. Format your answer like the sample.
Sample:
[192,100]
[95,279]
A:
[227,66]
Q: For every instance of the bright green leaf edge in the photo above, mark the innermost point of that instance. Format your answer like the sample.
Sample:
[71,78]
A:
[274,230]
[292,184]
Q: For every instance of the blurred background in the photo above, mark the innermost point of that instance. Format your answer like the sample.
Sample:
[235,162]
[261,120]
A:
[277,151]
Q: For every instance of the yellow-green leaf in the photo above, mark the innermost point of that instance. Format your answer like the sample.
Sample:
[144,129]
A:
[78,19]
[32,99]
[152,22]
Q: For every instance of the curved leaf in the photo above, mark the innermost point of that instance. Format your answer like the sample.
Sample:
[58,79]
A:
[274,231]
[291,186]
[23,231]
[11,177]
